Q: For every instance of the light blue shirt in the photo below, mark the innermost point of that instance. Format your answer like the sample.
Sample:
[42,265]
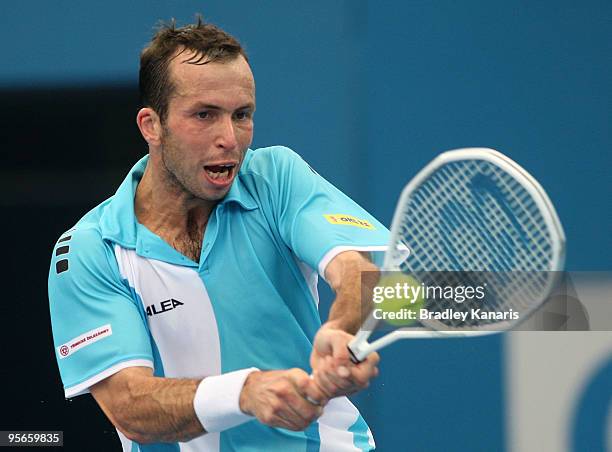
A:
[120,296]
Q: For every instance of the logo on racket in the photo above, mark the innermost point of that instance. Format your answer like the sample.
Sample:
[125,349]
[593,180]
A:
[479,215]
[64,350]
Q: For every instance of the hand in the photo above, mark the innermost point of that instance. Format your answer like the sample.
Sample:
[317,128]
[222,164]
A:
[334,374]
[280,398]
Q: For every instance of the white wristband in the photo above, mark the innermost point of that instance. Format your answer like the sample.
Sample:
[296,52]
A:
[217,401]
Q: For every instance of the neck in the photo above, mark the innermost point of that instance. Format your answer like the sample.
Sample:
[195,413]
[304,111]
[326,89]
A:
[166,209]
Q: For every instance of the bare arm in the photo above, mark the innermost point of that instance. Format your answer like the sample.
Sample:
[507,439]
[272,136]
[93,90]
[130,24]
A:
[148,409]
[151,409]
[334,373]
[345,275]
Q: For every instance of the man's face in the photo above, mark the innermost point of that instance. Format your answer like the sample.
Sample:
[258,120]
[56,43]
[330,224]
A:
[209,124]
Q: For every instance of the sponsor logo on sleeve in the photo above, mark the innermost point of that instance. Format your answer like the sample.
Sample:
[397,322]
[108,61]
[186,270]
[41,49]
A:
[84,340]
[348,220]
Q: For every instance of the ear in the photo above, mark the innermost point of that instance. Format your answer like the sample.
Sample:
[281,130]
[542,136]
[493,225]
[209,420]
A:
[150,126]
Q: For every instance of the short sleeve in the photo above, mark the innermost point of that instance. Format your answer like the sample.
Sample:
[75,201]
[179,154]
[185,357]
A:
[314,218]
[97,327]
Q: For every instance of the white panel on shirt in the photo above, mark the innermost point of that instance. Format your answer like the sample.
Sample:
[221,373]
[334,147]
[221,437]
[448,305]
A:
[186,335]
[188,340]
[338,416]
[310,276]
[126,444]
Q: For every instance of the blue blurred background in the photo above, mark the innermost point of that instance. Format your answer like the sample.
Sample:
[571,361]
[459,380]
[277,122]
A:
[367,92]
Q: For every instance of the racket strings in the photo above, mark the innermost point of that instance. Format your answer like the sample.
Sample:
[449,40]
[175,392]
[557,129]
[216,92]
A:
[470,219]
[531,221]
[471,215]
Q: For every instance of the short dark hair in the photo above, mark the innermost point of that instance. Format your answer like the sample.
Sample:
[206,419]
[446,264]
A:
[208,42]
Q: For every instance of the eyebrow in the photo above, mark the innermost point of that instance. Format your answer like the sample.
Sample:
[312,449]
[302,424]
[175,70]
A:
[198,105]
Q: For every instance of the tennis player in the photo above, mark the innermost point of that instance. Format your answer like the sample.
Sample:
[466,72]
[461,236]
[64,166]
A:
[186,304]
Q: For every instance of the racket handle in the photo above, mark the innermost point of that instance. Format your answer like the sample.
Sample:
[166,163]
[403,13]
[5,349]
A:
[353,357]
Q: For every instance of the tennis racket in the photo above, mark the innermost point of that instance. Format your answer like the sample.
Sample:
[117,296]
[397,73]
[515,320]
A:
[476,215]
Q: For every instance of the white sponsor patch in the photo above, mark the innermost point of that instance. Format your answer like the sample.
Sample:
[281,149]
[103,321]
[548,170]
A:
[84,340]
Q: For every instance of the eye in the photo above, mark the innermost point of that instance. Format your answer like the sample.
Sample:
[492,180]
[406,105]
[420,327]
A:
[206,114]
[242,115]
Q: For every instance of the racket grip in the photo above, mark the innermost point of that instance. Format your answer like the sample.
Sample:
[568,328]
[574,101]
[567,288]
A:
[354,359]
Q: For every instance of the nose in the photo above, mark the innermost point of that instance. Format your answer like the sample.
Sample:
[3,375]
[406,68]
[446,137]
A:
[226,134]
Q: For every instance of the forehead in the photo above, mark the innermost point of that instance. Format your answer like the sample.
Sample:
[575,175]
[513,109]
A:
[214,79]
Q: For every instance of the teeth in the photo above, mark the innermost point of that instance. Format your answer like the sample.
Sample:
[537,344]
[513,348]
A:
[221,174]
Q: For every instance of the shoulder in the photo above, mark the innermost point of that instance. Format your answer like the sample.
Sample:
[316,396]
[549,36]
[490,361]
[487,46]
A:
[81,250]
[83,268]
[86,235]
[271,160]
[278,168]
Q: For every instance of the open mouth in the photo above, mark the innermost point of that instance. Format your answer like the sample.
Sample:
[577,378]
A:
[220,173]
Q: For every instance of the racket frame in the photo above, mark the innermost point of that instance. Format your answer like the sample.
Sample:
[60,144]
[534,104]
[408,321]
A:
[359,347]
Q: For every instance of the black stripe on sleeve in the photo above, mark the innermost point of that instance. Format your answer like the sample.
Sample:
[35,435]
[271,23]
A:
[61,266]
[62,250]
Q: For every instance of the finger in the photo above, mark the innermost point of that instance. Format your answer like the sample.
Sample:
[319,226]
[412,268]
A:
[299,380]
[373,358]
[286,412]
[358,379]
[339,348]
[361,377]
[279,410]
[275,415]
[314,394]
[366,369]
[324,385]
[303,410]
[329,373]
[339,375]
[298,410]
[340,382]
[286,421]
[322,343]
[306,391]
[332,342]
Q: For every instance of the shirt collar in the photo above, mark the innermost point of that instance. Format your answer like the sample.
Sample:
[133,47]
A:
[239,193]
[118,222]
